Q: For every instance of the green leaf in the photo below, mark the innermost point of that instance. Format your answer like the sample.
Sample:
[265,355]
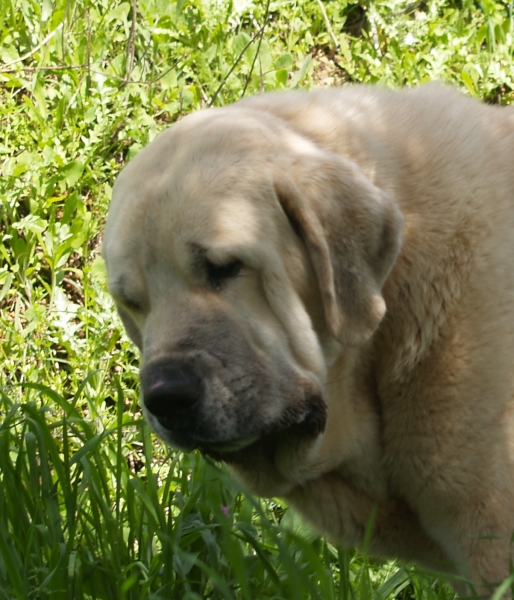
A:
[6,286]
[169,79]
[285,61]
[468,82]
[305,68]
[282,76]
[241,42]
[118,13]
[72,172]
[46,10]
[31,223]
[39,95]
[99,271]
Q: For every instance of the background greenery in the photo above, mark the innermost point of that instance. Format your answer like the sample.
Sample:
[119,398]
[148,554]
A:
[91,504]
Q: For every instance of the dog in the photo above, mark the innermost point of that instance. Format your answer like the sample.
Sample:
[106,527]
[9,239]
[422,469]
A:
[321,285]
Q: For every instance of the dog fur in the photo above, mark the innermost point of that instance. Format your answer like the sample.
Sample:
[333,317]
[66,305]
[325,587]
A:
[322,288]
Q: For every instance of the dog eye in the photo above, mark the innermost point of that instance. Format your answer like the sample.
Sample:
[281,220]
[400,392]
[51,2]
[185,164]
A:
[130,304]
[133,305]
[219,274]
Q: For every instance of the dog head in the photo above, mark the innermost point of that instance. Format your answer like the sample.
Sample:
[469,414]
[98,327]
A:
[241,257]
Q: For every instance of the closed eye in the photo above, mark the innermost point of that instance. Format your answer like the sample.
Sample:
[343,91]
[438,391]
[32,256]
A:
[127,302]
[132,305]
[218,275]
[127,294]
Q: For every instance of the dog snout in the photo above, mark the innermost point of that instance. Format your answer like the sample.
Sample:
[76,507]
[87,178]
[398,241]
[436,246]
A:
[172,392]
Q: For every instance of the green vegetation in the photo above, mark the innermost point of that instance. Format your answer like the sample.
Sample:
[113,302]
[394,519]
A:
[91,504]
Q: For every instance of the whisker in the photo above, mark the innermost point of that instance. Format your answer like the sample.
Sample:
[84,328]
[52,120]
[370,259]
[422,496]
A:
[336,380]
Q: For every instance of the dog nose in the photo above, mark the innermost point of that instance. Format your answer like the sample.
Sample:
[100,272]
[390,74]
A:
[171,392]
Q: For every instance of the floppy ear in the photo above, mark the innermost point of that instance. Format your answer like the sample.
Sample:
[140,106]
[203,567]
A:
[352,231]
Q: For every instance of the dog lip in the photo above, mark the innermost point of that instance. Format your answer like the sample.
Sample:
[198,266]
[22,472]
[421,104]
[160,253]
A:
[190,442]
[172,437]
[227,446]
[186,444]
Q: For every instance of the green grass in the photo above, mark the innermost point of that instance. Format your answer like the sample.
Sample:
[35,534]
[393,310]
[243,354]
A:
[92,505]
[97,511]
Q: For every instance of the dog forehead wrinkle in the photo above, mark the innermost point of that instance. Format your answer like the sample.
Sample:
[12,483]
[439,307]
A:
[234,214]
[230,221]
[236,222]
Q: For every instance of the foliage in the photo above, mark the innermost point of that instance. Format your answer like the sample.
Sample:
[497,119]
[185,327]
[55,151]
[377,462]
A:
[92,506]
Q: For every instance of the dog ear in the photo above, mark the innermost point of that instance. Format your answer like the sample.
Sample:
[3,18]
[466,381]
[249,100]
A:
[352,231]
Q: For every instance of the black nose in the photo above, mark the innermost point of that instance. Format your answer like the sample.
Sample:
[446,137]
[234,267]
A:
[171,392]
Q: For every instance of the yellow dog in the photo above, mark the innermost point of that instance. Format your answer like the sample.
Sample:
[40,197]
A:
[322,288]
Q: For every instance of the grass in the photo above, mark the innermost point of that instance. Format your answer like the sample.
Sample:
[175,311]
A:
[91,504]
[89,513]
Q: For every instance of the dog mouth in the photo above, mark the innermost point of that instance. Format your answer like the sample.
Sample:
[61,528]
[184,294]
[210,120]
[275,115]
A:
[305,426]
[304,418]
[227,447]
